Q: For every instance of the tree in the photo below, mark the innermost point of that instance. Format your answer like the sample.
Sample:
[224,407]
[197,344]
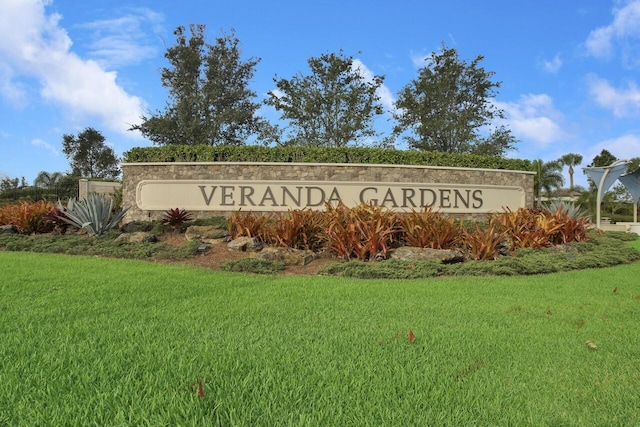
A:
[570,160]
[7,184]
[332,107]
[90,156]
[448,108]
[548,177]
[209,97]
[634,164]
[47,180]
[605,158]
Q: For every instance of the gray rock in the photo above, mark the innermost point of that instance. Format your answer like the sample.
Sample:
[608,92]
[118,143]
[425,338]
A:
[245,244]
[206,233]
[137,237]
[288,256]
[135,226]
[411,253]
[8,229]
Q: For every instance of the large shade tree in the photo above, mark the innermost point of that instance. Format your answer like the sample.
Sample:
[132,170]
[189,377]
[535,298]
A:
[90,156]
[210,101]
[449,107]
[332,107]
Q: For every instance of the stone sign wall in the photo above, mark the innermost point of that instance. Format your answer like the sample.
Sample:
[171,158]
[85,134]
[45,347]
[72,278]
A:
[207,189]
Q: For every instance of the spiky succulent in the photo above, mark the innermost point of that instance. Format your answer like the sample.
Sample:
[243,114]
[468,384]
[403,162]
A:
[93,214]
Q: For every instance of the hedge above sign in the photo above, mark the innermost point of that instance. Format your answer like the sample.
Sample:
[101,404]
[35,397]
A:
[276,195]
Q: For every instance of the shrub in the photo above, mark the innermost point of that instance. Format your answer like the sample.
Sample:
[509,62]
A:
[55,217]
[483,244]
[27,217]
[429,229]
[364,232]
[249,224]
[388,269]
[93,214]
[299,229]
[253,265]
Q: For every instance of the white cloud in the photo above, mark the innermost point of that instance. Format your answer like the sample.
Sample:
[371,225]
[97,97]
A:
[554,65]
[122,41]
[34,46]
[43,144]
[623,147]
[534,118]
[623,102]
[386,97]
[624,31]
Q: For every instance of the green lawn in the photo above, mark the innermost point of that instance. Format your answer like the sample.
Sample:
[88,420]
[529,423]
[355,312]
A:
[93,341]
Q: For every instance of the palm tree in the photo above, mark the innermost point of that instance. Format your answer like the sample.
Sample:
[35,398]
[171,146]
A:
[570,160]
[548,177]
[47,180]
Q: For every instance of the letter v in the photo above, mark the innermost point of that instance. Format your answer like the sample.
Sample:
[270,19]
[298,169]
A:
[207,198]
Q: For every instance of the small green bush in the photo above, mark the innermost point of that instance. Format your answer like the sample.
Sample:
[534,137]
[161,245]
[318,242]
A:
[253,265]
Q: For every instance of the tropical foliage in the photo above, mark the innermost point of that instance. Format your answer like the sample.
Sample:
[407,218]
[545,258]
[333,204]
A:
[548,177]
[94,214]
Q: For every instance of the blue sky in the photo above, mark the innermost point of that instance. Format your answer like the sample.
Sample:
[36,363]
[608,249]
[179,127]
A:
[570,71]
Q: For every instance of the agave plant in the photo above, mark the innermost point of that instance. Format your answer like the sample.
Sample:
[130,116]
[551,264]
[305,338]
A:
[92,214]
[572,210]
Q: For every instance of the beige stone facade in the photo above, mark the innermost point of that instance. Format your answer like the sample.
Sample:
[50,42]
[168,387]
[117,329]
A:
[208,189]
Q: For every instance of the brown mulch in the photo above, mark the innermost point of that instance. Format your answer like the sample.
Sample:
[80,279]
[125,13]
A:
[217,254]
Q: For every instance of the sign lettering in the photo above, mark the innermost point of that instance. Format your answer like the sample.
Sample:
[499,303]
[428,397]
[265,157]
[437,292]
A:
[232,195]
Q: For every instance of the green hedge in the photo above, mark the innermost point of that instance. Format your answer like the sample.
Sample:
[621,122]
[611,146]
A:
[255,153]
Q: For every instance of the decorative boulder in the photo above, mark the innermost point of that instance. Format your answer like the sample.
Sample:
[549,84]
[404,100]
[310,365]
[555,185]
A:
[137,237]
[245,244]
[206,233]
[288,256]
[8,229]
[411,253]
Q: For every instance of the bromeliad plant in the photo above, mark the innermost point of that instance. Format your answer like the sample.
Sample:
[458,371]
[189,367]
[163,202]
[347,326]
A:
[93,214]
[249,224]
[483,243]
[175,218]
[365,232]
[430,229]
[299,229]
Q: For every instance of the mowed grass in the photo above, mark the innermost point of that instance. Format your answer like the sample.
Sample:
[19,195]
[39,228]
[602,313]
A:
[92,341]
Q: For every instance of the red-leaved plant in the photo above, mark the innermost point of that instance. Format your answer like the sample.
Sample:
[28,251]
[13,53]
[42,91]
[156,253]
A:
[175,218]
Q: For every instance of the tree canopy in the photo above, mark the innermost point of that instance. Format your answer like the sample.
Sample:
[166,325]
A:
[449,108]
[571,160]
[48,179]
[333,106]
[90,156]
[548,177]
[209,97]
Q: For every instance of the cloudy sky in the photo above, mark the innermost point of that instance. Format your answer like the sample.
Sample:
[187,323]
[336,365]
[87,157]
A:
[570,71]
